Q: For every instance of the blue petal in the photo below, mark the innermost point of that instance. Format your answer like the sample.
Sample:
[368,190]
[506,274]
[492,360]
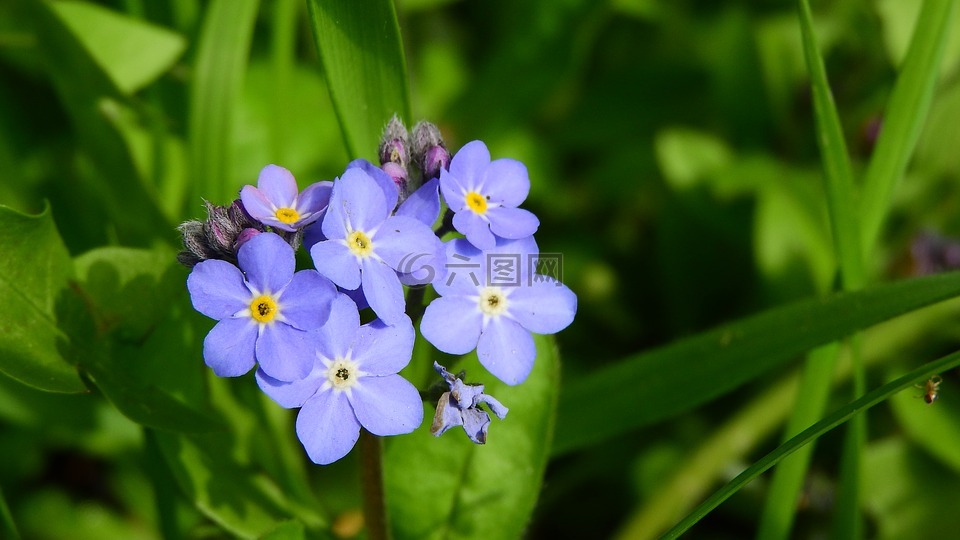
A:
[305,303]
[506,349]
[475,423]
[465,269]
[285,353]
[357,203]
[291,394]
[337,336]
[453,192]
[387,405]
[327,427]
[229,347]
[387,185]
[278,186]
[475,228]
[423,204]
[452,324]
[313,234]
[313,202]
[217,289]
[505,181]
[383,290]
[332,258]
[543,307]
[257,205]
[512,223]
[402,238]
[268,262]
[384,350]
[469,163]
[447,415]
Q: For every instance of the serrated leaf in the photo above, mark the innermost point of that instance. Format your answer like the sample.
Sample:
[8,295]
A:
[448,487]
[362,56]
[34,271]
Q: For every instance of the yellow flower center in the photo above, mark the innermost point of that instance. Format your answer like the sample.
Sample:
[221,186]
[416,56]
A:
[342,373]
[359,244]
[477,202]
[492,301]
[263,308]
[287,215]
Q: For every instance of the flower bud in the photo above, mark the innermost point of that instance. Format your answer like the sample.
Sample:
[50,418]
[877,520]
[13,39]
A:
[394,145]
[219,236]
[429,152]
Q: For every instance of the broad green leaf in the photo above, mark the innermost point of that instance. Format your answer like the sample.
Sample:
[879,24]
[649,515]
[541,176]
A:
[688,156]
[898,20]
[131,52]
[829,422]
[447,487]
[90,97]
[288,530]
[34,271]
[222,52]
[232,494]
[905,114]
[363,62]
[136,337]
[684,374]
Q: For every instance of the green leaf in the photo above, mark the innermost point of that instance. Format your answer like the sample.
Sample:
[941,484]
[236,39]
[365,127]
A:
[684,374]
[288,530]
[222,52]
[362,56]
[91,98]
[7,525]
[829,422]
[448,487]
[134,333]
[34,271]
[232,494]
[905,114]
[131,52]
[936,427]
[836,161]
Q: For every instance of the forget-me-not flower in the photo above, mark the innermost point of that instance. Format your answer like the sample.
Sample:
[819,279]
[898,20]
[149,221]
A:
[264,310]
[276,202]
[461,407]
[354,384]
[474,310]
[365,246]
[484,196]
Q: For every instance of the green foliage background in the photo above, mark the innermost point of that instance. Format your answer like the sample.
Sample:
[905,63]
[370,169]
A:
[738,236]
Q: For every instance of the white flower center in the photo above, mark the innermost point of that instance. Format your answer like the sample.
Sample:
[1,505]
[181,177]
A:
[343,373]
[493,301]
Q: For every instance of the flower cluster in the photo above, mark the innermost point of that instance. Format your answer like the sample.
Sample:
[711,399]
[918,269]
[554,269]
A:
[369,234]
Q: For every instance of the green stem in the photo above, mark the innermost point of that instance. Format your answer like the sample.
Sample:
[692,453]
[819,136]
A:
[371,482]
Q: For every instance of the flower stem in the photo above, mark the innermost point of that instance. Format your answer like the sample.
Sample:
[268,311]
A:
[371,481]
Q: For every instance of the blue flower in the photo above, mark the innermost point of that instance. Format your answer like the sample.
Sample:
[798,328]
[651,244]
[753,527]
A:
[264,310]
[473,310]
[484,196]
[353,383]
[364,245]
[461,407]
[275,200]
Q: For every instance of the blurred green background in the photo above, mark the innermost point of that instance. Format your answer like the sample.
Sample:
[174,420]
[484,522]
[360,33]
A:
[673,162]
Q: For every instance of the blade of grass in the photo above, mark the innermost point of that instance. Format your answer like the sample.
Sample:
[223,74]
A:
[283,51]
[905,114]
[7,525]
[224,45]
[362,56]
[831,421]
[777,518]
[686,373]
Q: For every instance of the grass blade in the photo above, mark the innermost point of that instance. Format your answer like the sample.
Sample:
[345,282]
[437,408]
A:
[362,55]
[684,374]
[905,114]
[831,421]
